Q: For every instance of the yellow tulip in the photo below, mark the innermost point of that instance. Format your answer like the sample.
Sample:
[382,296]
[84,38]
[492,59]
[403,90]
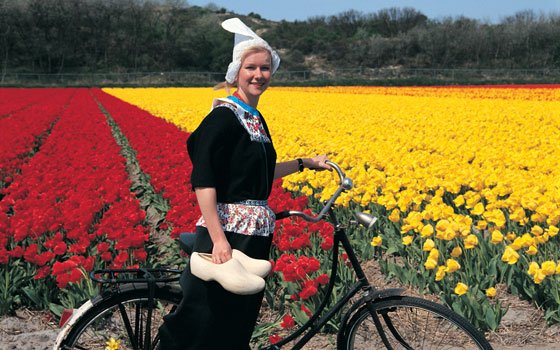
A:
[533,268]
[440,273]
[452,265]
[527,240]
[395,215]
[537,230]
[427,231]
[461,288]
[471,241]
[428,245]
[459,200]
[478,209]
[434,254]
[306,190]
[442,225]
[497,237]
[491,292]
[510,255]
[552,231]
[407,240]
[532,250]
[430,264]
[456,252]
[517,243]
[539,277]
[482,225]
[377,241]
[548,268]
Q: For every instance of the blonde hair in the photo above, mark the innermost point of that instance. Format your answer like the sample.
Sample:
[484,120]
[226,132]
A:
[250,50]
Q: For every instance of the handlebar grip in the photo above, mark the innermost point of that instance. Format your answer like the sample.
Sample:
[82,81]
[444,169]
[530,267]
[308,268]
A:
[282,215]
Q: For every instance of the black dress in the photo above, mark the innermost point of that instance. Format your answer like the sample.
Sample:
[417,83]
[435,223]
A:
[231,151]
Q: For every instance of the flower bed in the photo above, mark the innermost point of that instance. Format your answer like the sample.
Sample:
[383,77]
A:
[70,209]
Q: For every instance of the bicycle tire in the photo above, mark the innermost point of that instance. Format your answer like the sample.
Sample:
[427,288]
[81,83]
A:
[106,320]
[420,324]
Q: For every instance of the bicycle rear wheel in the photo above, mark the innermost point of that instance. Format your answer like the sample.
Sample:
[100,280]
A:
[123,318]
[411,323]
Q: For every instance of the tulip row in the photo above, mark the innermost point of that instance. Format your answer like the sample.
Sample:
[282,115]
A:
[162,155]
[470,168]
[25,128]
[16,100]
[71,208]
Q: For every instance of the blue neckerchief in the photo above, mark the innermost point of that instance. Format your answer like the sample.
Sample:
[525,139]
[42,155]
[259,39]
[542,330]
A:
[245,106]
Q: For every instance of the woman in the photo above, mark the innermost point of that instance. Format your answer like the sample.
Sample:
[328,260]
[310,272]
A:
[234,164]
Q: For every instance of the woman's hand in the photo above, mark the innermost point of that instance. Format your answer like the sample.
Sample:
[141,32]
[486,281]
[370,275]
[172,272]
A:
[317,163]
[221,252]
[206,197]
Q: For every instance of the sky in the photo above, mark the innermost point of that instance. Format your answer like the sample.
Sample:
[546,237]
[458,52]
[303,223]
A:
[492,11]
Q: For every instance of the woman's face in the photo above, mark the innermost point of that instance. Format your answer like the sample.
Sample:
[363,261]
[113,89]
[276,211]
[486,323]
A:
[254,75]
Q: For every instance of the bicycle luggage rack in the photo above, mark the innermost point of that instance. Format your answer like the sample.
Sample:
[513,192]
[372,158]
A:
[151,276]
[148,275]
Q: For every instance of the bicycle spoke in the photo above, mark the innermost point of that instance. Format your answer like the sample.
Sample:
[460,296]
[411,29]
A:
[139,327]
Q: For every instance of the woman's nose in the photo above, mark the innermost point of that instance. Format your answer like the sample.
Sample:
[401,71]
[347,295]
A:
[258,73]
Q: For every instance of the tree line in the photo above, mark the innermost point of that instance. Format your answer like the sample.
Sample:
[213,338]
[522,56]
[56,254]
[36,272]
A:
[79,36]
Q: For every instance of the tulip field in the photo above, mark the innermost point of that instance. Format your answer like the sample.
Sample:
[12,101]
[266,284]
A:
[465,182]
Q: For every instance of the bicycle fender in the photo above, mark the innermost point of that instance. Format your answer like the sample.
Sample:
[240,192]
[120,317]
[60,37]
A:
[70,323]
[385,293]
[376,295]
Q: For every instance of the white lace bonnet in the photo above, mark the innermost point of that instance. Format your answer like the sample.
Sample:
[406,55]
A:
[245,38]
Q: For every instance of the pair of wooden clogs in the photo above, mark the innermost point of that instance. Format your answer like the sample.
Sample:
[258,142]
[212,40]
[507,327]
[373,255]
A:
[240,275]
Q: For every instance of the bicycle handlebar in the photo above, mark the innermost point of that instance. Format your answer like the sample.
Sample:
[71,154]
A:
[344,185]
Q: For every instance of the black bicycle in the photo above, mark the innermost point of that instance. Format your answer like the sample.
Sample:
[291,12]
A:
[128,314]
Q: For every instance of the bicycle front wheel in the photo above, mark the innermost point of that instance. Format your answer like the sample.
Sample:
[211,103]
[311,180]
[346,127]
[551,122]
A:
[411,323]
[123,320]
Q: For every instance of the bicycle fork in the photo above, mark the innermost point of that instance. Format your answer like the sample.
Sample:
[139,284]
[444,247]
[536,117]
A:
[381,330]
[368,289]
